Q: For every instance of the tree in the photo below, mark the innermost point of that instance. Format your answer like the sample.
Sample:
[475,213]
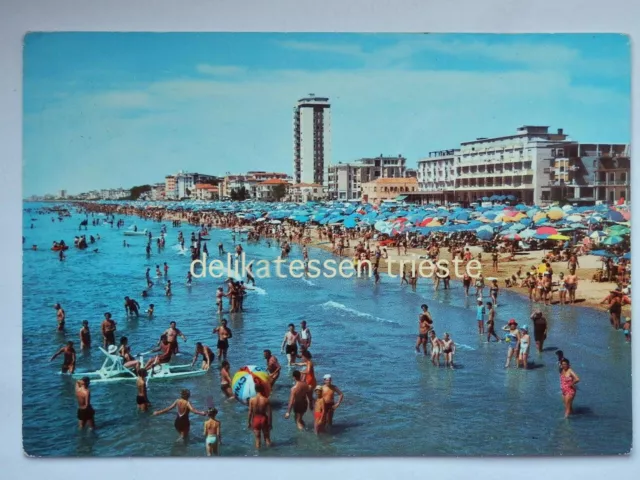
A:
[135,192]
[279,191]
[239,194]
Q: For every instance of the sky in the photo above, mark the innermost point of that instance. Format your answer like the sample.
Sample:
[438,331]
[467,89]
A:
[109,110]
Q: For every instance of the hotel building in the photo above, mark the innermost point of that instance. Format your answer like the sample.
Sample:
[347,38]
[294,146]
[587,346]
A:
[311,139]
[344,180]
[581,172]
[382,189]
[517,164]
[437,176]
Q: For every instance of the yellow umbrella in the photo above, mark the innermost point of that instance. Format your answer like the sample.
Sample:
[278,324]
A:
[434,223]
[557,236]
[555,214]
[509,219]
[538,216]
[520,216]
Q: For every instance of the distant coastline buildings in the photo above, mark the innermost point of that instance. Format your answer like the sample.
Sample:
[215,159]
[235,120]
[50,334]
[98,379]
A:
[311,140]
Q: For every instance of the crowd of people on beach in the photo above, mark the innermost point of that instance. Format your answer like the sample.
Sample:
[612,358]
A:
[539,281]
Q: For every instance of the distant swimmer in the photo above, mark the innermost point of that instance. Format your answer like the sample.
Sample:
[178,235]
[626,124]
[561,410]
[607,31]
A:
[220,249]
[298,400]
[131,307]
[108,328]
[69,359]
[166,269]
[86,413]
[158,272]
[85,335]
[61,316]
[260,417]
[189,279]
[167,289]
[150,310]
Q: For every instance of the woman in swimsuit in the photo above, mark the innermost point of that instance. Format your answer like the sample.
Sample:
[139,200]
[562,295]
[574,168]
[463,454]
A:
[182,424]
[466,283]
[309,375]
[568,381]
[125,352]
[225,380]
[494,292]
[524,347]
[562,289]
[449,350]
[512,339]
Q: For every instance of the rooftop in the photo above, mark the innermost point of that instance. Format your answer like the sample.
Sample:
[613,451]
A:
[274,181]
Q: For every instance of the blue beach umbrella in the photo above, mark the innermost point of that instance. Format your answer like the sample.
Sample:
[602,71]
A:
[612,240]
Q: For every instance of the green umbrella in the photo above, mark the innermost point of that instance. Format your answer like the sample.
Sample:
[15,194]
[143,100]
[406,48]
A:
[612,240]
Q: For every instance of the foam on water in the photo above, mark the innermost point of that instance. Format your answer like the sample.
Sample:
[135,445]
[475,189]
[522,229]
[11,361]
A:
[339,306]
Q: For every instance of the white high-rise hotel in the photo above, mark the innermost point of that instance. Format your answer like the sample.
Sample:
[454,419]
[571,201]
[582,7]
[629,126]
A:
[311,140]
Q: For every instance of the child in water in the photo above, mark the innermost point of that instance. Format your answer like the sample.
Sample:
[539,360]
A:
[480,311]
[150,310]
[212,433]
[627,329]
[318,411]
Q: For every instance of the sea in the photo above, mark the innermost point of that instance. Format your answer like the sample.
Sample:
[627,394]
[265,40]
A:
[396,403]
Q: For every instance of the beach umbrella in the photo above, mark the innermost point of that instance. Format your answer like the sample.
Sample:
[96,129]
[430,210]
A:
[350,222]
[598,234]
[512,236]
[601,253]
[511,198]
[484,233]
[627,256]
[555,214]
[618,230]
[615,216]
[517,227]
[541,236]
[521,208]
[434,223]
[539,216]
[526,221]
[245,380]
[557,236]
[528,233]
[574,218]
[546,231]
[612,240]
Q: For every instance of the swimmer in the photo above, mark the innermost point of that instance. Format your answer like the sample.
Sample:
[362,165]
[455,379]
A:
[449,350]
[108,328]
[150,310]
[167,288]
[86,413]
[207,356]
[224,334]
[568,382]
[524,347]
[85,335]
[142,400]
[69,361]
[225,380]
[436,348]
[329,391]
[260,417]
[219,295]
[291,341]
[189,279]
[61,316]
[480,311]
[273,366]
[183,406]
[172,333]
[212,434]
[298,399]
[491,323]
[319,411]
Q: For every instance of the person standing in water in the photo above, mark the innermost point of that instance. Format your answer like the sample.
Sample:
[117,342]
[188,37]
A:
[298,400]
[449,350]
[491,323]
[319,411]
[86,413]
[291,339]
[183,406]
[480,311]
[424,326]
[142,400]
[108,328]
[85,335]
[539,329]
[260,417]
[273,366]
[61,316]
[207,356]
[212,434]
[224,334]
[225,380]
[329,391]
[523,354]
[512,338]
[69,359]
[305,335]
[568,382]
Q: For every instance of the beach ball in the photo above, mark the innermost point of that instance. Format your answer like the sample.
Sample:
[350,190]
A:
[245,380]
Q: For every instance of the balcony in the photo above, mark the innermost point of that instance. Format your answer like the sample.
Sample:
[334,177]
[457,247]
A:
[612,183]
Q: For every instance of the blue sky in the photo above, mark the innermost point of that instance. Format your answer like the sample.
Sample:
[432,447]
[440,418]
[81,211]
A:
[107,110]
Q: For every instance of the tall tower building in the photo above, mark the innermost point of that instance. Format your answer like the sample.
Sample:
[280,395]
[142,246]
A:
[311,140]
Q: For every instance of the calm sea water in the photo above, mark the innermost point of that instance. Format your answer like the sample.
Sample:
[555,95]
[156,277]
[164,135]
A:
[396,403]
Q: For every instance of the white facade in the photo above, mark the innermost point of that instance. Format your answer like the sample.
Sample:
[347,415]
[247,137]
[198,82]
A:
[344,180]
[515,165]
[437,174]
[185,184]
[311,140]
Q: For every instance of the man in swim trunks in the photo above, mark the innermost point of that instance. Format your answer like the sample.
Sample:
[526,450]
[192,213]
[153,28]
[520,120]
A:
[328,395]
[291,339]
[298,399]
[141,384]
[172,334]
[69,362]
[61,316]
[260,416]
[86,413]
[224,334]
[305,335]
[207,356]
[108,328]
[131,307]
[571,282]
[273,366]
[165,356]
